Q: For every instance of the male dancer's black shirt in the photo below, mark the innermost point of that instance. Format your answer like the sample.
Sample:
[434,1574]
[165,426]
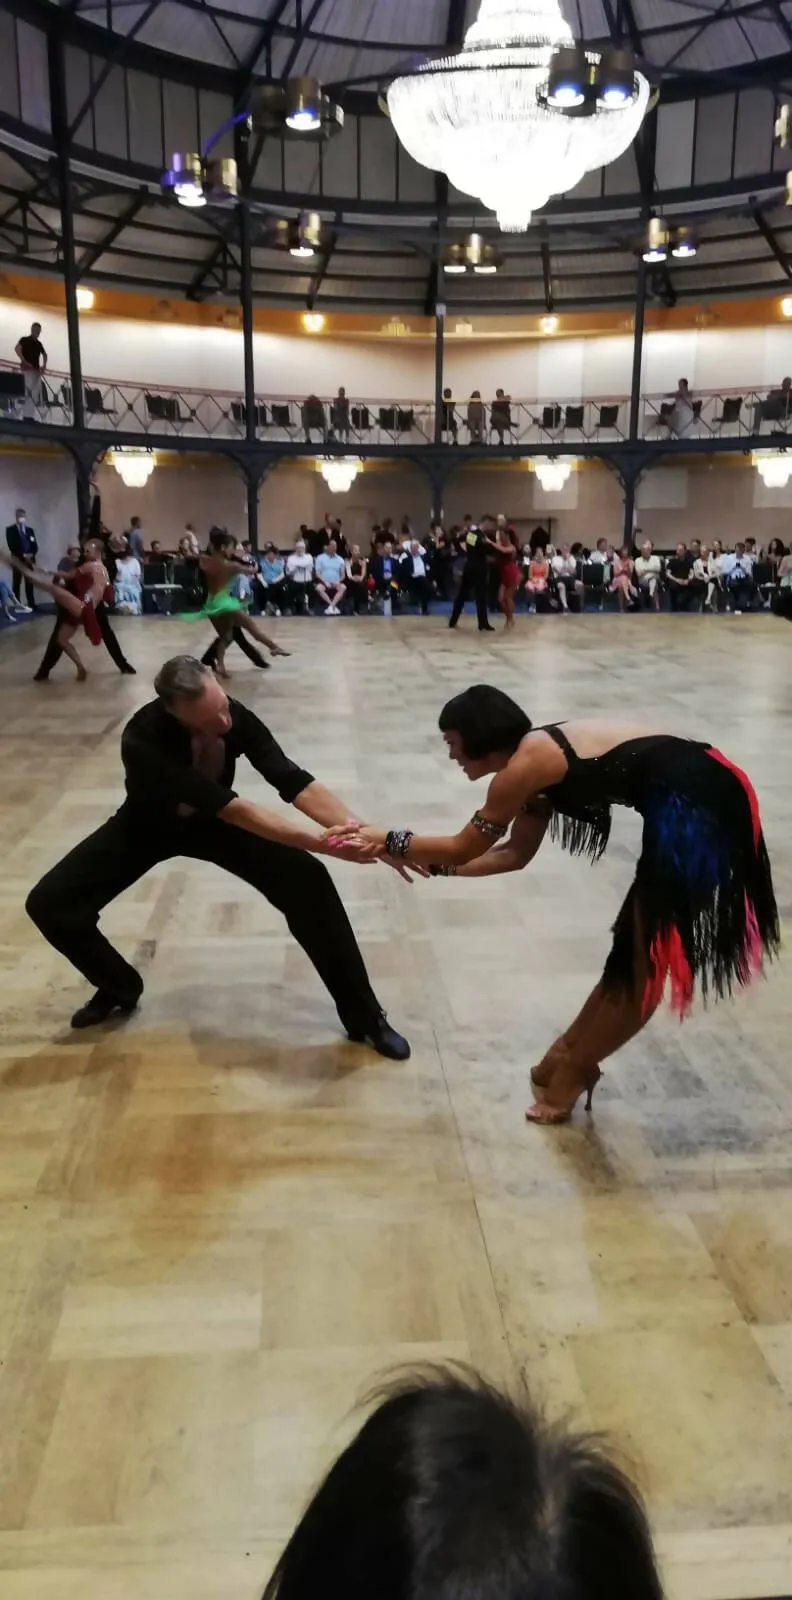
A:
[157,752]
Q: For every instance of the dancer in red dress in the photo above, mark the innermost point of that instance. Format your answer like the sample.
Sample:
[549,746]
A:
[508,570]
[91,584]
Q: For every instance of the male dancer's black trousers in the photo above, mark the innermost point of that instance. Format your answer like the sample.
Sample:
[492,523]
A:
[53,652]
[246,645]
[66,903]
[473,582]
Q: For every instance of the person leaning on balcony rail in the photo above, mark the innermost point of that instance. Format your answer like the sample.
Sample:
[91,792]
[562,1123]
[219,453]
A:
[32,358]
[476,417]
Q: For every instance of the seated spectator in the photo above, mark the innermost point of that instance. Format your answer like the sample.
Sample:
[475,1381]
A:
[647,571]
[128,584]
[10,606]
[72,559]
[679,569]
[738,580]
[777,406]
[704,577]
[776,550]
[414,577]
[384,572]
[451,1490]
[357,580]
[602,556]
[156,552]
[449,417]
[785,572]
[622,583]
[500,414]
[476,417]
[339,416]
[566,577]
[537,583]
[189,548]
[272,579]
[313,418]
[330,579]
[299,577]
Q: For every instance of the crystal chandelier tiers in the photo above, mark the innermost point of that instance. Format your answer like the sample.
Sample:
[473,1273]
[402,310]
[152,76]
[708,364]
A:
[773,466]
[134,466]
[521,112]
[339,474]
[552,473]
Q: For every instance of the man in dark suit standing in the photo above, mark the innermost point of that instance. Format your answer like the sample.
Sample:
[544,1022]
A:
[23,544]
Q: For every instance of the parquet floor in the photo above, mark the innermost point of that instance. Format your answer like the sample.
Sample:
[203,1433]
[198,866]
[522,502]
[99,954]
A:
[219,1222]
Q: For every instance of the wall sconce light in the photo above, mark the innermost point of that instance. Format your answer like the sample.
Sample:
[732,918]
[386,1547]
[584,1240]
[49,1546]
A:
[313,321]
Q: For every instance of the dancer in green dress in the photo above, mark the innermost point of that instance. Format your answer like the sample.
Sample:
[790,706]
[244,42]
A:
[226,611]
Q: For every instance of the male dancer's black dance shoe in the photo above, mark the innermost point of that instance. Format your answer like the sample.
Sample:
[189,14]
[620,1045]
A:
[382,1038]
[101,1007]
[128,671]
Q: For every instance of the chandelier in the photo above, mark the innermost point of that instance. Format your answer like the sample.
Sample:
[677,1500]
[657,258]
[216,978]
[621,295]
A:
[134,466]
[521,112]
[552,474]
[339,475]
[773,466]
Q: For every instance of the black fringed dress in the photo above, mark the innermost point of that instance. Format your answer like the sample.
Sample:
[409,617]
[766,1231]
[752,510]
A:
[702,898]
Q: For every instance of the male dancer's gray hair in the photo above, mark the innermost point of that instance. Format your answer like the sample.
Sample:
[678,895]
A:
[181,678]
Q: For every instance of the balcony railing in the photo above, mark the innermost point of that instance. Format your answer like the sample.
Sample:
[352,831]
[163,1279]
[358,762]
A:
[126,407]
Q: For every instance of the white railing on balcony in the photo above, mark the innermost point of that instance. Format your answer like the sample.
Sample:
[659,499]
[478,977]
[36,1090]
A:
[123,406]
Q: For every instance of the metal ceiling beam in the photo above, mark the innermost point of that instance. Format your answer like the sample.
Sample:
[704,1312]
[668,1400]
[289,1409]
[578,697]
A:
[771,240]
[547,276]
[91,256]
[321,271]
[114,60]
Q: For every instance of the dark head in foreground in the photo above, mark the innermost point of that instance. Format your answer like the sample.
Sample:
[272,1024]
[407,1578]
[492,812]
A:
[450,1491]
[482,728]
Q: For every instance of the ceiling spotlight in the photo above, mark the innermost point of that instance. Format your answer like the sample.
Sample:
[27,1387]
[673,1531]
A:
[185,178]
[305,236]
[488,262]
[313,321]
[303,105]
[683,243]
[221,180]
[299,108]
[786,306]
[548,324]
[567,79]
[85,299]
[615,78]
[454,263]
[655,245]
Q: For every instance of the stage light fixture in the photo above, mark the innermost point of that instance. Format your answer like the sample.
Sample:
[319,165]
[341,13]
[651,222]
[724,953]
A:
[185,178]
[303,105]
[221,181]
[488,262]
[454,263]
[568,78]
[683,243]
[615,78]
[305,236]
[655,245]
[299,109]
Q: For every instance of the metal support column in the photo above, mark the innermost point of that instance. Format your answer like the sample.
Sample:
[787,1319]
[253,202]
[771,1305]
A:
[252,479]
[635,396]
[60,136]
[438,485]
[440,312]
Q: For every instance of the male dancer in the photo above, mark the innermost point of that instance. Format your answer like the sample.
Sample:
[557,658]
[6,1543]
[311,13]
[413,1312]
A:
[179,754]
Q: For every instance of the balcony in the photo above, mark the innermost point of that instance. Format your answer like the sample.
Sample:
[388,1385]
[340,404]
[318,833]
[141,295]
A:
[139,411]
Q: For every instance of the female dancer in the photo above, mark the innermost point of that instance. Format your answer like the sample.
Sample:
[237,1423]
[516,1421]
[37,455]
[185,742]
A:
[225,610]
[91,583]
[508,572]
[701,909]
[622,584]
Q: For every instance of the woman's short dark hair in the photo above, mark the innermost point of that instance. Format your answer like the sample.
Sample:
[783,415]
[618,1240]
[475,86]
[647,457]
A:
[452,1491]
[486,719]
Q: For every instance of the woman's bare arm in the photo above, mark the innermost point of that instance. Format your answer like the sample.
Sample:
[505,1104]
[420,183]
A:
[514,853]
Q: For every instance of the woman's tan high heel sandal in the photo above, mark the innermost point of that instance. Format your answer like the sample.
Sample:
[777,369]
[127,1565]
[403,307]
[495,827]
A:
[544,1110]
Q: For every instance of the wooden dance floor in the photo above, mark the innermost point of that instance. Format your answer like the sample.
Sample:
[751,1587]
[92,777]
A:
[220,1222]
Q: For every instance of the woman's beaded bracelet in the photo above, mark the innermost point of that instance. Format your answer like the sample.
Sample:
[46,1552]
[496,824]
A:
[397,842]
[490,830]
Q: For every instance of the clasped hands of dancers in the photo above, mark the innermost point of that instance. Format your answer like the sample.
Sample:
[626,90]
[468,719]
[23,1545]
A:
[701,910]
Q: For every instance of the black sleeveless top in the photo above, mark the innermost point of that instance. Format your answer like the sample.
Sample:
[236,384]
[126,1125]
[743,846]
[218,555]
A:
[628,775]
